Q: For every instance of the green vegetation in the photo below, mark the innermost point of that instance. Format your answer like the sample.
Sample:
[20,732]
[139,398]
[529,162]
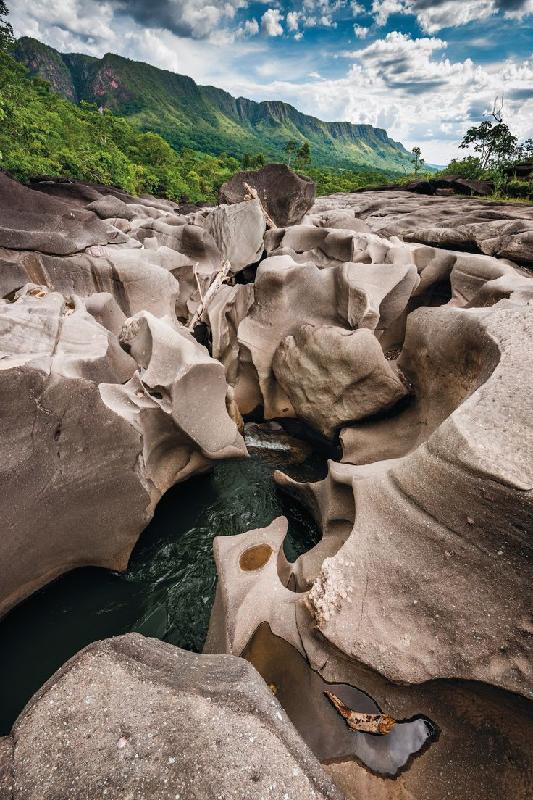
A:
[497,159]
[206,118]
[330,181]
[43,135]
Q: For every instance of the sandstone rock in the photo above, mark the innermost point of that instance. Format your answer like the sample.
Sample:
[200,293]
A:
[468,224]
[70,492]
[132,716]
[228,308]
[238,231]
[32,221]
[288,295]
[109,207]
[441,516]
[452,183]
[322,246]
[252,570]
[177,400]
[134,277]
[333,376]
[94,454]
[286,196]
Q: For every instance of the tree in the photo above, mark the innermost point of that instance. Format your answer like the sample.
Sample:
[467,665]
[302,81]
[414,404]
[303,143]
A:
[524,151]
[417,159]
[6,31]
[250,161]
[303,156]
[492,139]
[291,148]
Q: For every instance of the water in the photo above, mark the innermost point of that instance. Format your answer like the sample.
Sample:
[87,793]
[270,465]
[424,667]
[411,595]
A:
[300,690]
[168,589]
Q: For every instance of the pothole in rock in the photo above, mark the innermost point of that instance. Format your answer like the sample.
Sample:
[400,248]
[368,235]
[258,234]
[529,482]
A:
[301,692]
[168,589]
[255,557]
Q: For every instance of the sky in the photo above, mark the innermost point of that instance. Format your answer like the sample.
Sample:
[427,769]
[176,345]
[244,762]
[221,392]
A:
[425,71]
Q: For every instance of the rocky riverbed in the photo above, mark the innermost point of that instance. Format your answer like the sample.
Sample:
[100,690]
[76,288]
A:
[389,330]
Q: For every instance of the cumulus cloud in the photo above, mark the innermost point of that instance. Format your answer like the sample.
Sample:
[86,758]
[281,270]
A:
[194,18]
[434,15]
[250,27]
[360,31]
[419,95]
[99,19]
[271,22]
[292,20]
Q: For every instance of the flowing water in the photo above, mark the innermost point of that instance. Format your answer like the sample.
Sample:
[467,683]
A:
[168,589]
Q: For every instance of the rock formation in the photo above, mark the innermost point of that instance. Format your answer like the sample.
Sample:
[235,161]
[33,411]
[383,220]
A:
[97,435]
[117,400]
[418,591]
[394,326]
[137,717]
[286,196]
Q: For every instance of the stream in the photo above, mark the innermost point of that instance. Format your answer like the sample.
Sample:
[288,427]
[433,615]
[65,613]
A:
[168,589]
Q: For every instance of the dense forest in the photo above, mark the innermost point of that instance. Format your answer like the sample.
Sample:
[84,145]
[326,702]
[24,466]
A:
[43,134]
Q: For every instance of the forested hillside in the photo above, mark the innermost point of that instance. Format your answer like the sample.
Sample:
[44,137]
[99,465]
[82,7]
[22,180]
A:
[44,134]
[206,118]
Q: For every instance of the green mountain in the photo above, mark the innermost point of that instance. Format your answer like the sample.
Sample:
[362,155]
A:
[203,117]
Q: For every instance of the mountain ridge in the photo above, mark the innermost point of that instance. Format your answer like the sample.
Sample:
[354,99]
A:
[206,118]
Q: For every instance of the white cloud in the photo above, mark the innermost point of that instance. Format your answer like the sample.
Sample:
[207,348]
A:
[410,88]
[298,36]
[360,31]
[383,9]
[292,20]
[249,28]
[271,22]
[434,16]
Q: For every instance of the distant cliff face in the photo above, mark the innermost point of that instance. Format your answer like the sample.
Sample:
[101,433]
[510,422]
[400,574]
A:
[203,117]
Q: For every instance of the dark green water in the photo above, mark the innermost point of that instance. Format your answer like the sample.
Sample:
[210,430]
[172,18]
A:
[168,589]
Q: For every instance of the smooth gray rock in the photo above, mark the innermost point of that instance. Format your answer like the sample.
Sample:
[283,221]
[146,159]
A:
[32,220]
[137,718]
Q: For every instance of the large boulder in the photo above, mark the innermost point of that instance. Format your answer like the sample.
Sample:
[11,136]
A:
[289,294]
[135,717]
[286,196]
[452,184]
[333,376]
[238,231]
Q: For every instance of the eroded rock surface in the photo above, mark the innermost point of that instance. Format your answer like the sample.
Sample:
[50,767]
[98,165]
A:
[96,435]
[333,376]
[497,229]
[400,323]
[418,591]
[132,717]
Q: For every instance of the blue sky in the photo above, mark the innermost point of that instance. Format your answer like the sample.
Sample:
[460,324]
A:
[423,70]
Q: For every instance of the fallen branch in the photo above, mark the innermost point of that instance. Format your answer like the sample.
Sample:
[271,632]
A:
[220,278]
[365,723]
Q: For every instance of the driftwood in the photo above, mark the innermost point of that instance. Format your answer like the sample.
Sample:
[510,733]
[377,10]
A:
[221,277]
[365,723]
[252,194]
